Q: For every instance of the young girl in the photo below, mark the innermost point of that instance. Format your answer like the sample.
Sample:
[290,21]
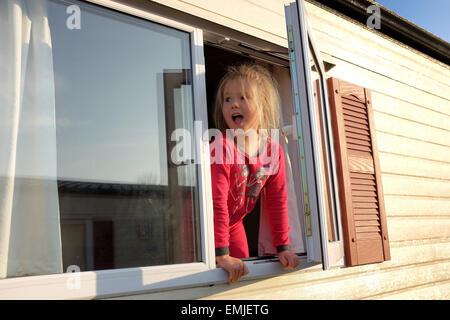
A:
[247,102]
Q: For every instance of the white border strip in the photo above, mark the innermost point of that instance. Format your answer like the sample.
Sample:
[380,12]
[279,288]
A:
[202,148]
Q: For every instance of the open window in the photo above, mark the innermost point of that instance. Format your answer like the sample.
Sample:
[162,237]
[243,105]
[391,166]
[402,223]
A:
[315,136]
[221,52]
[344,171]
[87,161]
[88,180]
[300,73]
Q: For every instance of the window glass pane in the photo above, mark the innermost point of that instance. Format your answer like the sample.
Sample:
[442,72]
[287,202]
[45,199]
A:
[122,87]
[86,161]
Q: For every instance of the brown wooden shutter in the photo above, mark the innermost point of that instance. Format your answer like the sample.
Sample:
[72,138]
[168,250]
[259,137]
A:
[360,190]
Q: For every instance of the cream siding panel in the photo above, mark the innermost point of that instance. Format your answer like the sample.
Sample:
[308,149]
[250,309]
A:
[411,228]
[267,16]
[410,111]
[247,13]
[353,286]
[338,27]
[392,163]
[414,186]
[353,73]
[434,291]
[391,124]
[411,147]
[418,251]
[267,22]
[263,21]
[350,51]
[313,283]
[409,206]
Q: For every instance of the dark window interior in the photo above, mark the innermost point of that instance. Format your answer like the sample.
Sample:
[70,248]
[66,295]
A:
[216,62]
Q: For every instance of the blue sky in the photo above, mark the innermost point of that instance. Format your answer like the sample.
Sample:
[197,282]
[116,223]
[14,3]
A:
[431,15]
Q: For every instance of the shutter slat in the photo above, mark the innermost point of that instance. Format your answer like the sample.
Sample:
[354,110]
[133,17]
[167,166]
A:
[359,175]
[350,124]
[355,108]
[365,211]
[357,136]
[352,101]
[367,223]
[369,186]
[358,147]
[360,205]
[364,193]
[355,114]
[365,199]
[363,187]
[359,142]
[356,181]
[348,119]
[357,130]
[371,217]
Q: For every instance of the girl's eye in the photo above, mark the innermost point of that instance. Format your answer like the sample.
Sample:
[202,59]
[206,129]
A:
[227,99]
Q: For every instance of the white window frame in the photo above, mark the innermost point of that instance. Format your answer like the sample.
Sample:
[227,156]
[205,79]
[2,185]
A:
[301,46]
[128,281]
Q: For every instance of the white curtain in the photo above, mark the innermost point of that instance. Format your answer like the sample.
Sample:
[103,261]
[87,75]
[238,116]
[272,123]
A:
[30,240]
[265,238]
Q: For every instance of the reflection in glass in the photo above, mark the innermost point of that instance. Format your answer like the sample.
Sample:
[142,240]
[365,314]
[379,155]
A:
[123,202]
[325,160]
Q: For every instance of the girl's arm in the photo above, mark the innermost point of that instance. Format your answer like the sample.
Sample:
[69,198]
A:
[220,178]
[235,267]
[220,186]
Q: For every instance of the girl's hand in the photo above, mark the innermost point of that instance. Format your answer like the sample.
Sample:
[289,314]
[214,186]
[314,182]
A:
[288,259]
[236,268]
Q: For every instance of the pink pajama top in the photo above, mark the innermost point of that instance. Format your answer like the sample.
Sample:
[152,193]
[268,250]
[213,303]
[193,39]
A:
[237,181]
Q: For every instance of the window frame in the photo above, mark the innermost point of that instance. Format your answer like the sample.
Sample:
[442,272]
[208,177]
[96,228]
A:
[129,281]
[334,251]
[103,283]
[302,48]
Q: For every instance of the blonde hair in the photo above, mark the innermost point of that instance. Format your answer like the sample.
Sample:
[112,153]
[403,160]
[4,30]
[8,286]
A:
[264,88]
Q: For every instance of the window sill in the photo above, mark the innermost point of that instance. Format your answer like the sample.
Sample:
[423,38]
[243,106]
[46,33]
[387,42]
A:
[133,281]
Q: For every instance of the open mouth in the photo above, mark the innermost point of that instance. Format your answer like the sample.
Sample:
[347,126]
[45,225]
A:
[237,118]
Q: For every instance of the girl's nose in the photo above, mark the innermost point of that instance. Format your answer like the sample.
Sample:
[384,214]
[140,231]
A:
[235,105]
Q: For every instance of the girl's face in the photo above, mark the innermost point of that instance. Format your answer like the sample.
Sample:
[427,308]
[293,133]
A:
[239,105]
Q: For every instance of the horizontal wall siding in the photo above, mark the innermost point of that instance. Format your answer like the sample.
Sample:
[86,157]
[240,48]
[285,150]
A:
[399,205]
[434,291]
[341,286]
[265,19]
[375,52]
[411,103]
[410,111]
[262,19]
[347,283]
[411,147]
